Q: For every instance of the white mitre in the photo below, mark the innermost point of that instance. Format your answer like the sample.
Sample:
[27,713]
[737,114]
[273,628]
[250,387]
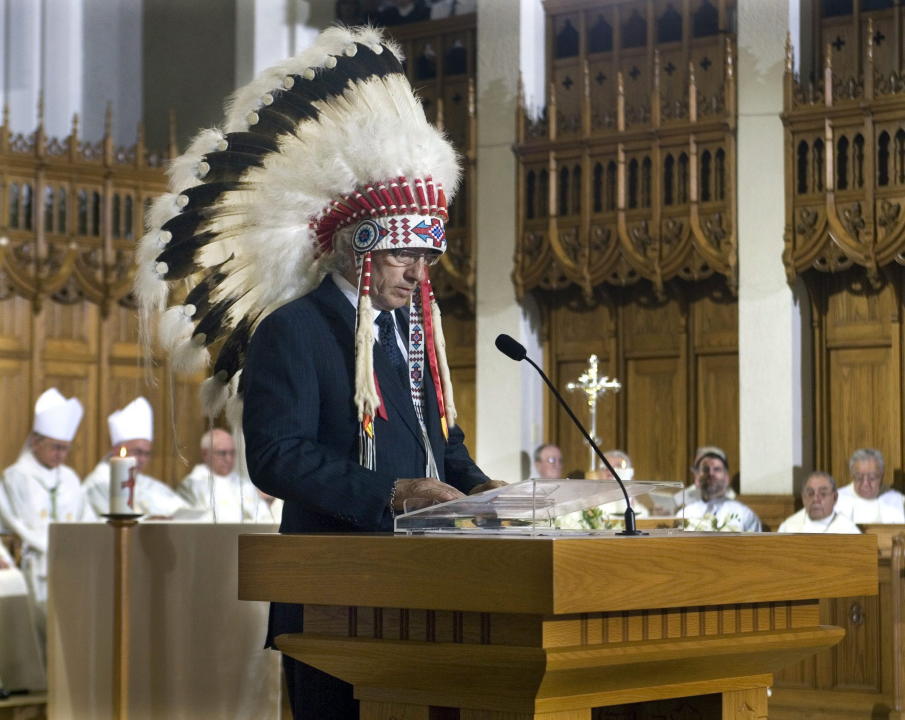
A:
[56,417]
[133,422]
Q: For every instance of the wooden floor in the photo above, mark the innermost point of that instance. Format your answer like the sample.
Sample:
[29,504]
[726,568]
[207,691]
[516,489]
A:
[32,706]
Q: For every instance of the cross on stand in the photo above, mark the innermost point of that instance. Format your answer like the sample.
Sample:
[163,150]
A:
[593,386]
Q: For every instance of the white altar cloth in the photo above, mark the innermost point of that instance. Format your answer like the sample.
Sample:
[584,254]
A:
[196,651]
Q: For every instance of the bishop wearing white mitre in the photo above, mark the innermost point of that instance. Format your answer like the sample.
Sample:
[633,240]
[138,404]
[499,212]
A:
[131,435]
[39,489]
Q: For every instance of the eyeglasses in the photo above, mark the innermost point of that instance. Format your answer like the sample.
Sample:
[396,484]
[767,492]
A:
[552,460]
[406,257]
[224,453]
[867,477]
[822,493]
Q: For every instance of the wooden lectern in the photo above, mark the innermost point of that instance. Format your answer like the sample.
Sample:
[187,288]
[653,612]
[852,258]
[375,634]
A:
[543,628]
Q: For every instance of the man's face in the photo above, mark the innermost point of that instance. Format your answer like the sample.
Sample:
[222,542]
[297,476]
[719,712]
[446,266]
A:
[549,462]
[393,280]
[712,477]
[49,452]
[620,465]
[819,497]
[139,449]
[221,457]
[867,478]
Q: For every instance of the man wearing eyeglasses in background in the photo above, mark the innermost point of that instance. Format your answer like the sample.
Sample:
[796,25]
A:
[866,499]
[819,497]
[548,462]
[213,484]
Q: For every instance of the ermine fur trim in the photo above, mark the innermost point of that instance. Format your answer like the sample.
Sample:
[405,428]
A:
[366,398]
[234,407]
[188,358]
[214,394]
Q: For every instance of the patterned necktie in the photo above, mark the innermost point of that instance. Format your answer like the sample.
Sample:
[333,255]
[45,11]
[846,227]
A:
[391,347]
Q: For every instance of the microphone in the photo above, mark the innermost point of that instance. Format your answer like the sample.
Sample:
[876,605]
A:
[512,348]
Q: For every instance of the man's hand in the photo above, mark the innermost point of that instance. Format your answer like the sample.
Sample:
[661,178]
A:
[489,485]
[429,489]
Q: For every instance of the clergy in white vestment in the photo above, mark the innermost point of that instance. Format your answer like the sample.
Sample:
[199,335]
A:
[692,493]
[610,514]
[866,499]
[39,489]
[819,496]
[21,653]
[214,484]
[715,510]
[622,464]
[132,435]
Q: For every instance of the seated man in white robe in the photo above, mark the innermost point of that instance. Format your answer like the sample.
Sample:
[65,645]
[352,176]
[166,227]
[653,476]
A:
[39,489]
[21,654]
[131,435]
[622,464]
[692,493]
[611,514]
[818,515]
[715,510]
[214,484]
[866,499]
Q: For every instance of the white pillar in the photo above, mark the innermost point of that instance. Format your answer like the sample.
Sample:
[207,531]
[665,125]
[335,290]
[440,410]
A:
[21,49]
[113,68]
[61,66]
[509,401]
[269,31]
[770,328]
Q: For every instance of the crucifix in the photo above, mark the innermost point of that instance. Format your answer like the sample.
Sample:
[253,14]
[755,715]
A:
[593,387]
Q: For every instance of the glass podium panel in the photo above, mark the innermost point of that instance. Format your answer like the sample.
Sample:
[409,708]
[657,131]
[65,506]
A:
[525,508]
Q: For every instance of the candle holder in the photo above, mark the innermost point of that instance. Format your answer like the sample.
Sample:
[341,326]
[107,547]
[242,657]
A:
[121,524]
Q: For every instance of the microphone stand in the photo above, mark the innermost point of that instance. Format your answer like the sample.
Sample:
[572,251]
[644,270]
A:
[630,528]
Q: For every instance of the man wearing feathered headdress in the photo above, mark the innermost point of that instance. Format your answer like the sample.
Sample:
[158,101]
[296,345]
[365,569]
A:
[308,225]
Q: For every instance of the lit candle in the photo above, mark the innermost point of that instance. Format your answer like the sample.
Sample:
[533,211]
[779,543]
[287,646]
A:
[122,484]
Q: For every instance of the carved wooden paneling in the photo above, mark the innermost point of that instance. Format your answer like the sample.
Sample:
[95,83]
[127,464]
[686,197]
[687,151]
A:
[677,358]
[15,326]
[860,676]
[716,403]
[654,426]
[845,143]
[15,398]
[629,173]
[856,336]
[71,331]
[863,408]
[856,659]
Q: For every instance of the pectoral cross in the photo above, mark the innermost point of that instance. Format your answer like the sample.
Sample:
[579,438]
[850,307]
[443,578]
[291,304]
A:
[130,483]
[593,386]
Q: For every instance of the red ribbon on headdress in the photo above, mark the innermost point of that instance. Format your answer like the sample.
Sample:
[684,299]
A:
[427,317]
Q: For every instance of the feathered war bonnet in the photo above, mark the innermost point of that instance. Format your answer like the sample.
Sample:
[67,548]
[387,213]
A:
[331,141]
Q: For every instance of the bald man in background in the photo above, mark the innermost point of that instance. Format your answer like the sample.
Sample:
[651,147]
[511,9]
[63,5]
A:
[213,484]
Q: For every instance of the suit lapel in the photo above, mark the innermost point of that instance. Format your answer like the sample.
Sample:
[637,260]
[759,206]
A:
[334,303]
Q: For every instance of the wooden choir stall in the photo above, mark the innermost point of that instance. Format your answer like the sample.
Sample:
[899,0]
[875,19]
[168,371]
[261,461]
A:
[430,627]
[864,675]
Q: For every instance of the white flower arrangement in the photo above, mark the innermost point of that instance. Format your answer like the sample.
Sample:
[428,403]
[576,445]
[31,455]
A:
[712,523]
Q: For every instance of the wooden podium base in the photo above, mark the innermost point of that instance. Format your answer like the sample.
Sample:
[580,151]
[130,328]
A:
[487,628]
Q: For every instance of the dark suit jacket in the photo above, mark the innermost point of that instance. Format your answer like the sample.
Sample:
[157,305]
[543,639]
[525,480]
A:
[301,425]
